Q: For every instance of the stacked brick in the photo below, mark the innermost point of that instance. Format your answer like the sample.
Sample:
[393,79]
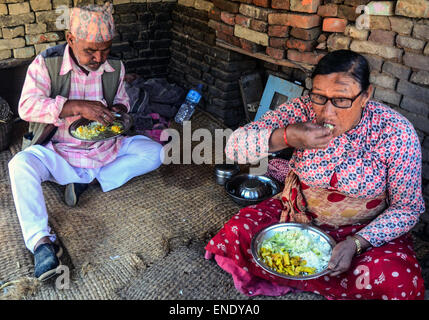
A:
[392,35]
[28,27]
[144,37]
[195,59]
[281,29]
[397,47]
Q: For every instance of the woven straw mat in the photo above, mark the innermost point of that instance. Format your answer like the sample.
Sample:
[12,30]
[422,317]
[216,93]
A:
[186,275]
[144,240]
[142,221]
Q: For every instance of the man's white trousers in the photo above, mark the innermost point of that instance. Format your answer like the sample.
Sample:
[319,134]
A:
[36,164]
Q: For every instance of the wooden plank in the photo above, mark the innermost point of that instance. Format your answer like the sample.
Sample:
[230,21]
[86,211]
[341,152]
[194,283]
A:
[12,63]
[251,88]
[258,55]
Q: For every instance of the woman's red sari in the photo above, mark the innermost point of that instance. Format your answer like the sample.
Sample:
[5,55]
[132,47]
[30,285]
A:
[387,272]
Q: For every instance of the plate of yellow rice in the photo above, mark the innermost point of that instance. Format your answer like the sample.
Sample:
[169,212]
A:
[293,250]
[86,130]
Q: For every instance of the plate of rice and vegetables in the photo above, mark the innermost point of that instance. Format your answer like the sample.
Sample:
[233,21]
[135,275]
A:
[293,250]
[87,130]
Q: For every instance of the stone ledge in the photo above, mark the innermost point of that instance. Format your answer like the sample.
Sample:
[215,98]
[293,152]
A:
[13,62]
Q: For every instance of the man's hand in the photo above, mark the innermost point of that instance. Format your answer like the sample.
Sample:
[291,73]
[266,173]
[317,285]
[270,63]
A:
[119,108]
[91,110]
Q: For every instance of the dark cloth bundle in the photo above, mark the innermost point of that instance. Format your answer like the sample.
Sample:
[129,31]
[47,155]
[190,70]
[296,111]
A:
[154,102]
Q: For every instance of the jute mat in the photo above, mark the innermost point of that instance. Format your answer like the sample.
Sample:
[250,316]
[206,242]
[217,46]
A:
[148,217]
[187,275]
[144,240]
[15,260]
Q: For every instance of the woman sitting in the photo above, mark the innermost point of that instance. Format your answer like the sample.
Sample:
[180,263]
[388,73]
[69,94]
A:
[355,173]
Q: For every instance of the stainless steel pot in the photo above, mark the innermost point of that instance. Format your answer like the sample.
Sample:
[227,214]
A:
[224,172]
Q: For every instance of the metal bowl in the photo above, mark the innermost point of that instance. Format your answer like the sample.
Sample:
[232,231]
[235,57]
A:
[247,189]
[224,172]
[124,118]
[270,231]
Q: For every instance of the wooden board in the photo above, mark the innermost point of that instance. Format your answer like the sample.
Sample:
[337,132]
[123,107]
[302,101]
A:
[251,92]
[261,56]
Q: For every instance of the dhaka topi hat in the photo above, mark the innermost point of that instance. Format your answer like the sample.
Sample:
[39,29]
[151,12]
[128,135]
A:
[92,23]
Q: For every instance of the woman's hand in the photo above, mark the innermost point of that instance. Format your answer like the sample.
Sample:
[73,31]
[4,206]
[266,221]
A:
[343,253]
[308,135]
[305,135]
[91,110]
[341,258]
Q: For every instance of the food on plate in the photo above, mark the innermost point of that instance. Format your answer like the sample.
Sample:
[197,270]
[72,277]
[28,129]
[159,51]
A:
[295,252]
[329,126]
[116,128]
[94,129]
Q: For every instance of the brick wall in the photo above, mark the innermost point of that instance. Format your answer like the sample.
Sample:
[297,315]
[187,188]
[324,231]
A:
[28,27]
[195,59]
[290,36]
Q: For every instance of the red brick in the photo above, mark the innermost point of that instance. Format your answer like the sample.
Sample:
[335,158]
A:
[228,18]
[258,25]
[242,20]
[226,5]
[214,14]
[383,36]
[322,38]
[279,43]
[251,46]
[221,27]
[348,13]
[328,10]
[301,45]
[275,53]
[379,22]
[278,31]
[306,34]
[309,6]
[377,49]
[334,25]
[304,57]
[280,4]
[258,13]
[416,61]
[304,21]
[412,8]
[228,38]
[337,42]
[262,3]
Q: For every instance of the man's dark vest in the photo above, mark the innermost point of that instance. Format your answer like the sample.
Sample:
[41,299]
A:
[40,133]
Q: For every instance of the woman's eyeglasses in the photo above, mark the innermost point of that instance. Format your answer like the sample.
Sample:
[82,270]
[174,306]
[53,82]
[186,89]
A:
[343,103]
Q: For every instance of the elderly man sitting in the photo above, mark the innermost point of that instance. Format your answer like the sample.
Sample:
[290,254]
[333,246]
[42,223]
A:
[62,84]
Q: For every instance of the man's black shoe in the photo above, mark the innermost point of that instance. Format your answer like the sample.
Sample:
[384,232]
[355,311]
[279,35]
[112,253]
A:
[73,192]
[46,260]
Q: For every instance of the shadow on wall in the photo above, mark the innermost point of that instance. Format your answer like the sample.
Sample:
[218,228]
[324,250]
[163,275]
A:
[11,82]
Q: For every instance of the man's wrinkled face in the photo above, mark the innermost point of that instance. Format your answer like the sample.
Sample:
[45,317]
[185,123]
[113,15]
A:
[89,55]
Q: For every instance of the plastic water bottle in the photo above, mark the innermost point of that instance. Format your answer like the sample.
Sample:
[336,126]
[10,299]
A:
[188,107]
